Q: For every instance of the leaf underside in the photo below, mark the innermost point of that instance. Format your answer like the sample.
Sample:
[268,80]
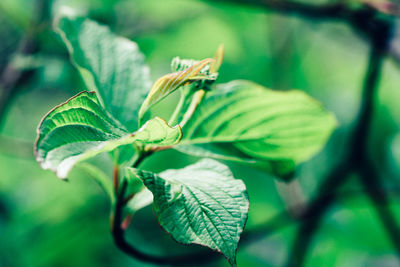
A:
[201,204]
[80,129]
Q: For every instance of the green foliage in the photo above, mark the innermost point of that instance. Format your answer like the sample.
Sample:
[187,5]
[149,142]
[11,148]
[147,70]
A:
[239,121]
[110,65]
[201,204]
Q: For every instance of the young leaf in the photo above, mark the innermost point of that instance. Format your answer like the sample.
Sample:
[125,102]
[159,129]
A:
[219,56]
[263,124]
[201,204]
[170,82]
[110,65]
[157,132]
[80,129]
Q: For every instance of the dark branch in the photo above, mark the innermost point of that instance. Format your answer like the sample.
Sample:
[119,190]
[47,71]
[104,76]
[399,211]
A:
[364,18]
[370,181]
[315,212]
[356,157]
[369,177]
[316,11]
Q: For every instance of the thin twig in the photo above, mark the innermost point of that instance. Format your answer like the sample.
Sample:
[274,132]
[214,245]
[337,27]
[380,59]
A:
[116,179]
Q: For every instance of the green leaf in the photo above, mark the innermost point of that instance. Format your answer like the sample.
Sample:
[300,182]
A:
[201,204]
[263,124]
[80,129]
[110,65]
[170,82]
[157,132]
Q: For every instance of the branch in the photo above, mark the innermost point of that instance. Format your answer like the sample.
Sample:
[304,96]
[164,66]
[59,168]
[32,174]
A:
[315,212]
[370,180]
[317,11]
[340,11]
[339,175]
[368,174]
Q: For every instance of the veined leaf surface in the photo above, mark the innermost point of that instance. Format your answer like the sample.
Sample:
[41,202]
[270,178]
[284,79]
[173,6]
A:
[80,129]
[201,204]
[263,124]
[110,65]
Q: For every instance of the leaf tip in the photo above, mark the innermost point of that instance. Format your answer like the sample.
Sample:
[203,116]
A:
[219,56]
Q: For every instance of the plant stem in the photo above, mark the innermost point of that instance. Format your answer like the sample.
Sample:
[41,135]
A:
[197,98]
[178,108]
[142,155]
[116,178]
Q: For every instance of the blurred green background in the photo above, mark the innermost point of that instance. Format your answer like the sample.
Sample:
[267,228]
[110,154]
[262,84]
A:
[48,222]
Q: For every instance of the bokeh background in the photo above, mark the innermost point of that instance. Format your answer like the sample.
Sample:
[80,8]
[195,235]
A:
[48,222]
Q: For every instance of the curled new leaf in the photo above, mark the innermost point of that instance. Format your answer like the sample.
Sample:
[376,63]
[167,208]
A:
[193,95]
[170,82]
[219,56]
